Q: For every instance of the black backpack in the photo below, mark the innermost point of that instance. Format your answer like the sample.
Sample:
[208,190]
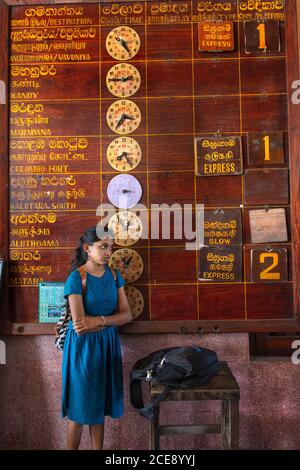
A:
[179,367]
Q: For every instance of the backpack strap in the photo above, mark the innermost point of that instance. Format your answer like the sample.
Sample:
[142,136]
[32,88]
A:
[68,316]
[83,275]
[136,399]
[113,273]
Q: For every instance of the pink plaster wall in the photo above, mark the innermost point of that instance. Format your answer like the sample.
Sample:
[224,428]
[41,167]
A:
[30,387]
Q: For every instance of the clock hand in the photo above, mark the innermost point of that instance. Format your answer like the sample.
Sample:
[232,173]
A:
[126,79]
[119,157]
[123,44]
[126,191]
[115,79]
[121,222]
[120,121]
[125,155]
[122,118]
[127,159]
[121,79]
[126,263]
[129,117]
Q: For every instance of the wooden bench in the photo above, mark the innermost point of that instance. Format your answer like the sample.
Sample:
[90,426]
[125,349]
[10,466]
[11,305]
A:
[222,387]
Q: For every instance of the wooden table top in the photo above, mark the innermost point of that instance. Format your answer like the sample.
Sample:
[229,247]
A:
[222,386]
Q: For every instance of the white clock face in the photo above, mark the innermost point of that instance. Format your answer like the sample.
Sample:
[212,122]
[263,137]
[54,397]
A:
[124,191]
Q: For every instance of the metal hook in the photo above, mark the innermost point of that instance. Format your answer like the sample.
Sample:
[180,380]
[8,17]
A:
[219,211]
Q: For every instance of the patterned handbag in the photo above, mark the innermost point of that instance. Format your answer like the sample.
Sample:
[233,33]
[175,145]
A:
[62,325]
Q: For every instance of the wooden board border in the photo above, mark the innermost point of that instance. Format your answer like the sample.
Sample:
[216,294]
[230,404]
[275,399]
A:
[293,74]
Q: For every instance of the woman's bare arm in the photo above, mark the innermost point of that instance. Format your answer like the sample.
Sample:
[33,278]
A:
[122,314]
[76,306]
[78,316]
[84,324]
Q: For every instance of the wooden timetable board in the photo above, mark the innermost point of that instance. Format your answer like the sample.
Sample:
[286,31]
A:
[102,89]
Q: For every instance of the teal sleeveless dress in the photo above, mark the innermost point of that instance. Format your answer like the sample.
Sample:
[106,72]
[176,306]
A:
[92,378]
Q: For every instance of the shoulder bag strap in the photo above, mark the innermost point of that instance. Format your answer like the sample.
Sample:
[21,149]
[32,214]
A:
[83,275]
[137,402]
[113,273]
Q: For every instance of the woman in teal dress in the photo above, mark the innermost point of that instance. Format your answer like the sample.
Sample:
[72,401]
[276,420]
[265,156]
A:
[92,381]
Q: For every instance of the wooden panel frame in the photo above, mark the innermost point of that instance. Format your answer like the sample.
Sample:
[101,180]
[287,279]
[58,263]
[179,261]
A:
[293,74]
[272,344]
[4,44]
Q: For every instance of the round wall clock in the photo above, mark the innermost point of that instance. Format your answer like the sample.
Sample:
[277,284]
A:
[124,154]
[123,117]
[123,80]
[124,191]
[135,300]
[128,262]
[127,228]
[123,43]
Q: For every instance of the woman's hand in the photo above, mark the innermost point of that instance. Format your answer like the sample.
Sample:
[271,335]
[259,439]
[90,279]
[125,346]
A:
[86,324]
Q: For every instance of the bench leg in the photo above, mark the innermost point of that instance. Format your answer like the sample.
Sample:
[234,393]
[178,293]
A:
[154,430]
[230,424]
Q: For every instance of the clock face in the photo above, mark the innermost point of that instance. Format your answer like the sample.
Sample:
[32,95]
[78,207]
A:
[124,154]
[128,262]
[135,300]
[123,117]
[123,43]
[127,228]
[124,191]
[123,80]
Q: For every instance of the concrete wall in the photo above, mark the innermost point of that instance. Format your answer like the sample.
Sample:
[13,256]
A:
[30,386]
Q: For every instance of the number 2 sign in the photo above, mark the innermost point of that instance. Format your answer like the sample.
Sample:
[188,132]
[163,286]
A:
[269,264]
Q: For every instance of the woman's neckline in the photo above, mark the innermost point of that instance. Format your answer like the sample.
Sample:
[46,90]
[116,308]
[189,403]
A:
[98,277]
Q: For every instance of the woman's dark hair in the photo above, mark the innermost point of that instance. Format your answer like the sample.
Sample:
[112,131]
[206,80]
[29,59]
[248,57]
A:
[90,236]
